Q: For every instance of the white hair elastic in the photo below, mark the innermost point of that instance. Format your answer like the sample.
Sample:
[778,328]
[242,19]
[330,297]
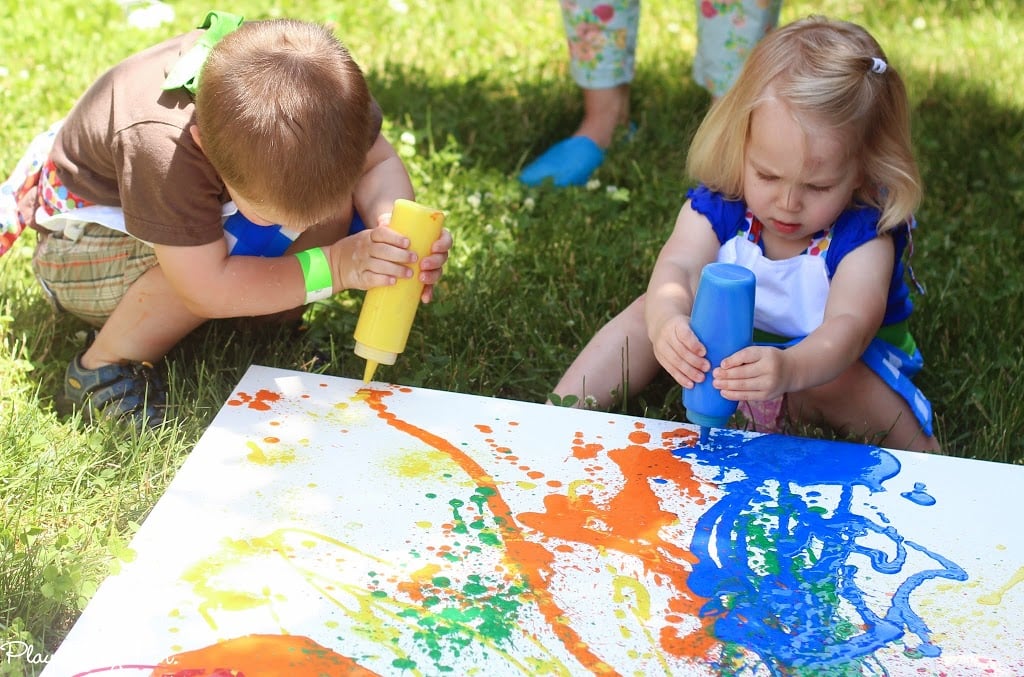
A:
[878,65]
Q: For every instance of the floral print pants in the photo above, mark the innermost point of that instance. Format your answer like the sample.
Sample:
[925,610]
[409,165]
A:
[602,37]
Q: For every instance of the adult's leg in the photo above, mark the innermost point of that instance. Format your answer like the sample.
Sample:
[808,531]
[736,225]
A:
[602,51]
[604,112]
[602,39]
[726,32]
[619,356]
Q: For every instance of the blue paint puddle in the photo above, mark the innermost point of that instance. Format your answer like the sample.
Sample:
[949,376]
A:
[782,555]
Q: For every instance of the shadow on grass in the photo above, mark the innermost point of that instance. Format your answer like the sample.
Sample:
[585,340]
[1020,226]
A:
[533,283]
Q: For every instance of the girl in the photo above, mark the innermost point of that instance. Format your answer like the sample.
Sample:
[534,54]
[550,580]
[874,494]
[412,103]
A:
[806,177]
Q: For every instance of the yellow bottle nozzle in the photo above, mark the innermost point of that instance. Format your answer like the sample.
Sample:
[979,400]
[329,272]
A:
[373,357]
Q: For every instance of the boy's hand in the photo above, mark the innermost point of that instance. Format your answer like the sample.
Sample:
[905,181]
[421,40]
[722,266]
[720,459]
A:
[432,265]
[755,373]
[375,257]
[679,351]
[380,256]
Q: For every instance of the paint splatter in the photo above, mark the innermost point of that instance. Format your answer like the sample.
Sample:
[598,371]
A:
[261,401]
[526,556]
[711,552]
[919,495]
[996,597]
[783,567]
[261,656]
[269,455]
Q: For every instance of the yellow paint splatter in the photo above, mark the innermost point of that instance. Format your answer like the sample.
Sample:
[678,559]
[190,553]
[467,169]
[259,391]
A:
[278,456]
[996,597]
[421,463]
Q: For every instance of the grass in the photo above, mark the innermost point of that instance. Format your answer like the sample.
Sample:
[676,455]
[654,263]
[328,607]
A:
[471,89]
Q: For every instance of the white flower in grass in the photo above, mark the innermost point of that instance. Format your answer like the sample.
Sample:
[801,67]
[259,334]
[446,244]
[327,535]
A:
[618,194]
[474,200]
[147,13]
[408,138]
[593,184]
[529,203]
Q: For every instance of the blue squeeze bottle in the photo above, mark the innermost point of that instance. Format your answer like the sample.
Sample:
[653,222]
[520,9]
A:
[723,320]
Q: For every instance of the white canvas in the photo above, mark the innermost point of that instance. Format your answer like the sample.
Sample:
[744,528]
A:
[322,526]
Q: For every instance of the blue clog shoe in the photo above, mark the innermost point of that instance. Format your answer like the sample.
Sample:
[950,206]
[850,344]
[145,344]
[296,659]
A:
[569,162]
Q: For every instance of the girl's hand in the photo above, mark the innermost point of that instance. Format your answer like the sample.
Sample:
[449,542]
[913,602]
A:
[755,373]
[677,350]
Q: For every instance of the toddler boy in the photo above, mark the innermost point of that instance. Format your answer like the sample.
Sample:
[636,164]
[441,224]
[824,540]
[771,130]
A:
[267,124]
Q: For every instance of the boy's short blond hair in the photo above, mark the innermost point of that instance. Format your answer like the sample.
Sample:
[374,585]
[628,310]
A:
[826,72]
[284,115]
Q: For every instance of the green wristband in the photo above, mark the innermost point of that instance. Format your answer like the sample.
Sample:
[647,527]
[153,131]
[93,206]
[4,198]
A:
[316,271]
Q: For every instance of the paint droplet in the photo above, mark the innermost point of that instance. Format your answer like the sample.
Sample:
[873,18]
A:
[919,495]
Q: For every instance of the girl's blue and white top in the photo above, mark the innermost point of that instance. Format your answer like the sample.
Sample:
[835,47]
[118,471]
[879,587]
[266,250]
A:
[791,293]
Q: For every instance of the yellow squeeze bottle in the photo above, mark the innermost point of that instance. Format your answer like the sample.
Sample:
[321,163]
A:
[387,313]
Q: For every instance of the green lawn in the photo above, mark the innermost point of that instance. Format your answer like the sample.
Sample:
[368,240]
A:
[471,89]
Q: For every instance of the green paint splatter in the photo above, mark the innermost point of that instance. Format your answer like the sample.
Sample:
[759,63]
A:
[404,664]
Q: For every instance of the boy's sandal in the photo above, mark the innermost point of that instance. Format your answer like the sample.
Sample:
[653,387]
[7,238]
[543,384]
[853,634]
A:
[132,391]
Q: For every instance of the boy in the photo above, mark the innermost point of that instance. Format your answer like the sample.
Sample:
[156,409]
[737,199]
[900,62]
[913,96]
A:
[264,122]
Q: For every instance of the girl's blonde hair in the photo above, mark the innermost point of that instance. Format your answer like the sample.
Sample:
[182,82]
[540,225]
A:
[830,73]
[285,117]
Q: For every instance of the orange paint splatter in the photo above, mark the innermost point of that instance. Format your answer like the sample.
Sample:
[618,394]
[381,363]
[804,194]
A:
[261,401]
[532,559]
[631,522]
[580,449]
[261,656]
[485,429]
[639,437]
[586,450]
[670,439]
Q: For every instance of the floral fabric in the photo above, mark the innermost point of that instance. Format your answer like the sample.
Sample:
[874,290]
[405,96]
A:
[602,37]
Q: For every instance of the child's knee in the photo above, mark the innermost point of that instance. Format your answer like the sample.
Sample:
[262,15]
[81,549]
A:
[828,402]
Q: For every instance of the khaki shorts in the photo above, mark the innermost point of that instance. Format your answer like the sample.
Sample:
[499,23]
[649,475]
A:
[89,275]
